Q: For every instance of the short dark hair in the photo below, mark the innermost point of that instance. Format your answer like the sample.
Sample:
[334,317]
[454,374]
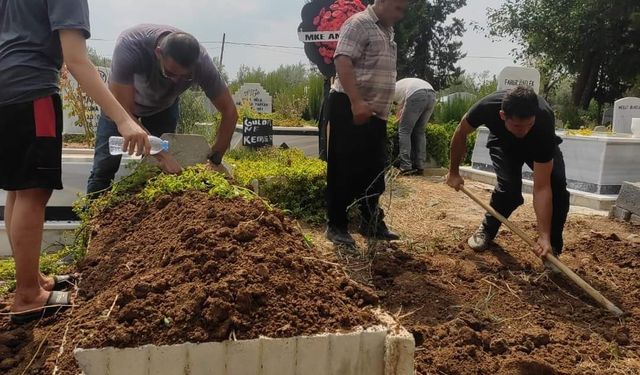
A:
[521,102]
[183,48]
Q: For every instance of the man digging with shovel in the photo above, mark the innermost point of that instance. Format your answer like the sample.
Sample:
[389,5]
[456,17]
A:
[522,130]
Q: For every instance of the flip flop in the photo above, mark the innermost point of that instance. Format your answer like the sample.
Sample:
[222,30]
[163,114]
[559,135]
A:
[57,301]
[64,282]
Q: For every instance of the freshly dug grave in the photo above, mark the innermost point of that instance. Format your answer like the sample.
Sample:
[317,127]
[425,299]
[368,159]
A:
[191,268]
[498,312]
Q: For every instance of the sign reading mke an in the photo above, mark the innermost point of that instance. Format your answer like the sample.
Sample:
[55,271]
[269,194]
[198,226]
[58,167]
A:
[319,36]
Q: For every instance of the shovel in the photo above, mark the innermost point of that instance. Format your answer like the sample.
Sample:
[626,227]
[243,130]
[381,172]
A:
[191,149]
[597,296]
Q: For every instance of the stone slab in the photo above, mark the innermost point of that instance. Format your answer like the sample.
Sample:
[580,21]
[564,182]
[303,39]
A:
[629,197]
[597,202]
[619,213]
[188,149]
[595,164]
[635,219]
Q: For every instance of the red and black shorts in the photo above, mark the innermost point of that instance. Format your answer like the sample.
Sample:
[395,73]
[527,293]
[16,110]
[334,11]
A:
[31,144]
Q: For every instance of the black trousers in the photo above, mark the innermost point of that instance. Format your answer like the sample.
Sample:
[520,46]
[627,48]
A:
[507,195]
[356,162]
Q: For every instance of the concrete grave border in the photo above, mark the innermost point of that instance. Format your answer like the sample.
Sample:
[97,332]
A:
[381,350]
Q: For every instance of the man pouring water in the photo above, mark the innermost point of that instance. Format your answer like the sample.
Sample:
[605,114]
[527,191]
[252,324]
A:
[152,66]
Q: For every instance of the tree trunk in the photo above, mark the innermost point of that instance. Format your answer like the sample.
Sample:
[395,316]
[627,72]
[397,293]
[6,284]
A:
[581,80]
[586,82]
[591,84]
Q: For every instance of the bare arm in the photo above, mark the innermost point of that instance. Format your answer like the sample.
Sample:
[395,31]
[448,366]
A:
[361,110]
[542,203]
[227,107]
[125,95]
[74,49]
[458,151]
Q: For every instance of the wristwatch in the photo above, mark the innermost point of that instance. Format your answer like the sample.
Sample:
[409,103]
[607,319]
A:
[215,158]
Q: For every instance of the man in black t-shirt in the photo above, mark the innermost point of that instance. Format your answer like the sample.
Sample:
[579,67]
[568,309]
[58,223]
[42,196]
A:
[522,126]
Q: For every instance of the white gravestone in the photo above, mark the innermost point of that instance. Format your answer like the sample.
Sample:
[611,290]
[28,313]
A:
[256,95]
[624,110]
[514,76]
[69,122]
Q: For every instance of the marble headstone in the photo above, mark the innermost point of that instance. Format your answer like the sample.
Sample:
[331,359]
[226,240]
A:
[514,76]
[256,95]
[624,110]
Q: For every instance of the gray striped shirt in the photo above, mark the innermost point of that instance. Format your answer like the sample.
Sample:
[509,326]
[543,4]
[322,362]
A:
[370,46]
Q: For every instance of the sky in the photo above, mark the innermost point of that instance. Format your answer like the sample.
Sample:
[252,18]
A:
[272,22]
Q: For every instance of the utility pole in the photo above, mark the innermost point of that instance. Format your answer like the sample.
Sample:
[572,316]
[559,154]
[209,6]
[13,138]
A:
[224,38]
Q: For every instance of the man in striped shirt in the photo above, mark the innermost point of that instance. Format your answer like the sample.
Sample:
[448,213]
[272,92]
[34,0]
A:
[359,105]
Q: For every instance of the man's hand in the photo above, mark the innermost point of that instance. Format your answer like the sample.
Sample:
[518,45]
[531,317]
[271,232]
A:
[168,163]
[136,140]
[543,247]
[220,168]
[361,112]
[455,181]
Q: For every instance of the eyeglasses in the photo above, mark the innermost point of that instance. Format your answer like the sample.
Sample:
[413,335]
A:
[173,76]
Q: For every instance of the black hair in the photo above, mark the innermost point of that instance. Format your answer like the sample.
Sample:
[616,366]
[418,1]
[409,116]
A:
[521,102]
[183,48]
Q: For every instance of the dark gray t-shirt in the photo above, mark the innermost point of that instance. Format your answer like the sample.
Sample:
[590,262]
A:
[135,63]
[539,145]
[30,51]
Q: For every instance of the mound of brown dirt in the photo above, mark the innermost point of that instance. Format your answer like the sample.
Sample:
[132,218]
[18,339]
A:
[192,268]
[498,312]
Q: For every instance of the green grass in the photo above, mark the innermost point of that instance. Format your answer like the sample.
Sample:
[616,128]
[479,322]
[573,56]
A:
[287,178]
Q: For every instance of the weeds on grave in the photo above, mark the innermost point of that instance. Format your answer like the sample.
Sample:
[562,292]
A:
[287,178]
[197,178]
[146,182]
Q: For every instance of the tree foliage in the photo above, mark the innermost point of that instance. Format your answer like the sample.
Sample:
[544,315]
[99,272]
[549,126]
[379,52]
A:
[97,59]
[428,44]
[597,41]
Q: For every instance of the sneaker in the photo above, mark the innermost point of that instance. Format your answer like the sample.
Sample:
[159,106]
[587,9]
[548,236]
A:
[339,236]
[408,172]
[382,232]
[480,240]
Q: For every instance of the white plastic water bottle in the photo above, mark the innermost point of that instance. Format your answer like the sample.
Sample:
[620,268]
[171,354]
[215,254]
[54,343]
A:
[157,145]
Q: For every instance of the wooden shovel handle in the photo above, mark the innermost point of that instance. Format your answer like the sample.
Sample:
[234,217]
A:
[597,296]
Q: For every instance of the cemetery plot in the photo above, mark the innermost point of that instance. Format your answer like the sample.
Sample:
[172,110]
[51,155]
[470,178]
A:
[192,268]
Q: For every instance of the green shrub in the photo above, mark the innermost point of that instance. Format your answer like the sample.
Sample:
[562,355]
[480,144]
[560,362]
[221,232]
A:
[315,96]
[290,104]
[451,111]
[287,178]
[438,142]
[279,119]
[192,111]
[288,84]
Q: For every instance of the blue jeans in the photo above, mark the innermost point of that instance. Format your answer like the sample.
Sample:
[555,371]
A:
[417,111]
[105,165]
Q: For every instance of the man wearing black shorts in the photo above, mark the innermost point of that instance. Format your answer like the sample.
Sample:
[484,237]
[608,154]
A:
[522,126]
[34,37]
